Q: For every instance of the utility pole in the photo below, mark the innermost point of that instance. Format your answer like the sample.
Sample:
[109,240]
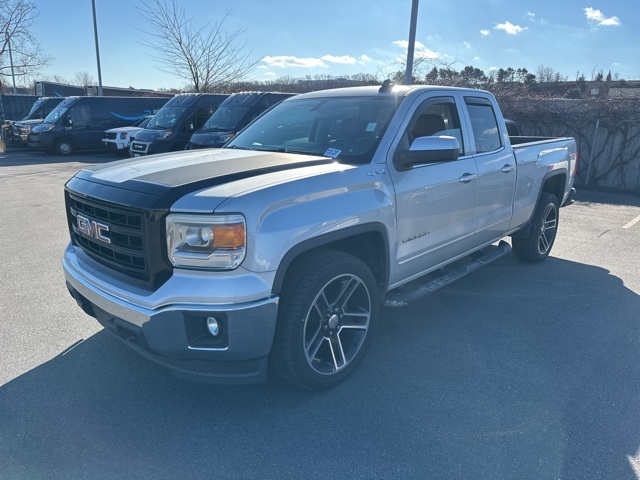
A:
[95,32]
[412,42]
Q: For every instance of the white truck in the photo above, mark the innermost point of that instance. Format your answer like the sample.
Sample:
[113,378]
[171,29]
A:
[118,139]
[280,248]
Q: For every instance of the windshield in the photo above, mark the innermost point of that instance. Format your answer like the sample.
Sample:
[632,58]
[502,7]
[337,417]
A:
[166,118]
[226,119]
[33,110]
[56,113]
[346,128]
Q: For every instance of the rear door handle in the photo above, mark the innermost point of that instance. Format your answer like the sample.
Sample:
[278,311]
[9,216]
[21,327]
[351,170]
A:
[467,177]
[507,168]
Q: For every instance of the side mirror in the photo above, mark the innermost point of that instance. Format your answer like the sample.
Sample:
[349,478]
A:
[429,150]
[68,122]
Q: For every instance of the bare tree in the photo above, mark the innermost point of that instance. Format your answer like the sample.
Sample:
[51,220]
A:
[83,79]
[547,74]
[208,57]
[16,19]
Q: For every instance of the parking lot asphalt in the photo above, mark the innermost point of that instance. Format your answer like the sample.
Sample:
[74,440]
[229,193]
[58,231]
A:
[514,372]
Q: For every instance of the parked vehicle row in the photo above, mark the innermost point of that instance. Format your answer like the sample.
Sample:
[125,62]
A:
[79,123]
[203,120]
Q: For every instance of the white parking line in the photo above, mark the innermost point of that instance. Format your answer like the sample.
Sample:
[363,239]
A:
[632,222]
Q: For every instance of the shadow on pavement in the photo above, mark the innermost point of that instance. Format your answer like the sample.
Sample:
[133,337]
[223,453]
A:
[18,156]
[502,375]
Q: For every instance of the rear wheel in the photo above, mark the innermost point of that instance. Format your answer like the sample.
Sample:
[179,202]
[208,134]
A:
[536,246]
[64,147]
[327,311]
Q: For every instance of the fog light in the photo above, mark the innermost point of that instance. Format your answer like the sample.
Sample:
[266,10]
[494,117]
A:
[213,326]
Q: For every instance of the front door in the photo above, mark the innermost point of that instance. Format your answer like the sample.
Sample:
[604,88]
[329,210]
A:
[435,202]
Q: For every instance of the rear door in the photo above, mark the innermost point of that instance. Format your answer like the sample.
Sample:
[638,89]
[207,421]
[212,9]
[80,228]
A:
[496,167]
[435,202]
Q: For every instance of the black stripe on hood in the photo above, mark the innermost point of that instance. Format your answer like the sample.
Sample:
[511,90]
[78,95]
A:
[159,190]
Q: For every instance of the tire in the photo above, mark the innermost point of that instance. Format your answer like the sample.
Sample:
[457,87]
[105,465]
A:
[64,147]
[328,308]
[535,247]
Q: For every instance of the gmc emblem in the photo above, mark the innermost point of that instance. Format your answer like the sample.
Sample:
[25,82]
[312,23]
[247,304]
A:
[93,229]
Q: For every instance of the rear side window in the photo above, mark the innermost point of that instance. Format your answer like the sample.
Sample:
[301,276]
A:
[484,124]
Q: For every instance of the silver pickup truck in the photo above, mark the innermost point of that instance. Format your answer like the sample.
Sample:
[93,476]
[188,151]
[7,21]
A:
[280,248]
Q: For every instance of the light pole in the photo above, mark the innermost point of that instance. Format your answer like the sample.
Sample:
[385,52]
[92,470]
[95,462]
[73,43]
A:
[95,33]
[412,41]
[13,75]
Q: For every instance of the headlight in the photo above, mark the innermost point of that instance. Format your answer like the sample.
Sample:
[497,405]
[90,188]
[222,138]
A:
[214,242]
[163,135]
[123,135]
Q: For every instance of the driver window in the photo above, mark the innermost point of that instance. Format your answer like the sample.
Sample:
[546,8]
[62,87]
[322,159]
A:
[80,116]
[436,120]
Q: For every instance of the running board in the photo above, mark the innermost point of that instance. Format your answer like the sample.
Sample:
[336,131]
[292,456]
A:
[403,296]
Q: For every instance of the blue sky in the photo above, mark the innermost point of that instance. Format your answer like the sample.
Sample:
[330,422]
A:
[343,37]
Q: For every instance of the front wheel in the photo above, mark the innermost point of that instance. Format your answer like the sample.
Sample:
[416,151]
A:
[536,246]
[328,308]
[64,147]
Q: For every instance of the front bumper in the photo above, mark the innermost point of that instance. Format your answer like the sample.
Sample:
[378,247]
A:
[174,334]
[41,141]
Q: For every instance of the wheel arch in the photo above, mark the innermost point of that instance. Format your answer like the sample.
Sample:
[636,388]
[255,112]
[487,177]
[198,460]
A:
[554,183]
[368,242]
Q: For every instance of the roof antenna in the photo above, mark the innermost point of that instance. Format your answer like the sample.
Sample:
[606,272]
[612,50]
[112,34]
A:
[387,85]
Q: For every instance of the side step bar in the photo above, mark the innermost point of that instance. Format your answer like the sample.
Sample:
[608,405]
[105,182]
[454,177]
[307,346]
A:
[403,296]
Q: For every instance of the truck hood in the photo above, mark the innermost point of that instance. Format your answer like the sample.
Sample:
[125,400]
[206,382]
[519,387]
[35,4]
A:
[156,182]
[31,122]
[149,135]
[210,138]
[129,130]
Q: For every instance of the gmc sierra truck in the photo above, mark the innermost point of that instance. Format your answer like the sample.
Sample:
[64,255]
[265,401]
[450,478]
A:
[279,249]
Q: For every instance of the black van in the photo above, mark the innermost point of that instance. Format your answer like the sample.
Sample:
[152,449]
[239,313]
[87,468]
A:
[232,116]
[79,123]
[18,131]
[171,128]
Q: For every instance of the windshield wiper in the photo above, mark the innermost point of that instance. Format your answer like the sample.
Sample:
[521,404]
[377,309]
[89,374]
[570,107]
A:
[235,147]
[287,150]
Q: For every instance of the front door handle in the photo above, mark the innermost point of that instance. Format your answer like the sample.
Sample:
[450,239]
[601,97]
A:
[507,168]
[467,177]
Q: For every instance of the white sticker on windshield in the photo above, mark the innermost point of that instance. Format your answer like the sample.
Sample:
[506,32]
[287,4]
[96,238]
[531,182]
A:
[371,127]
[332,152]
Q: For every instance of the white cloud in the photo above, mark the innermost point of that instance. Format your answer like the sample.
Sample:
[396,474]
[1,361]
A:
[364,59]
[269,74]
[284,61]
[510,28]
[263,67]
[598,18]
[344,59]
[466,44]
[529,15]
[493,69]
[405,44]
[420,50]
[475,59]
[485,32]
